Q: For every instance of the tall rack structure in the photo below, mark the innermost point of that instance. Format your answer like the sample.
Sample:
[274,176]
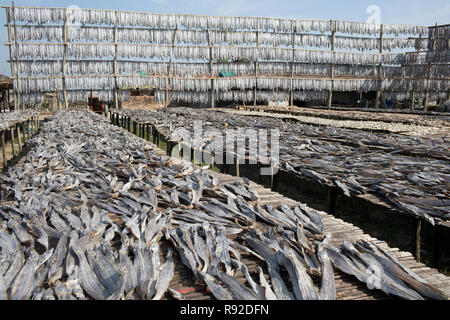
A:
[78,51]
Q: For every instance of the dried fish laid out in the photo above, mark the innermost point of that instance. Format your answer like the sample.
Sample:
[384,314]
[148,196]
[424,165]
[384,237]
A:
[353,161]
[94,213]
[8,119]
[85,217]
[377,268]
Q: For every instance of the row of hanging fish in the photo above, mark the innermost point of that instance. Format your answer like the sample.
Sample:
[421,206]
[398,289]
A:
[171,21]
[197,69]
[23,51]
[215,37]
[80,96]
[415,185]
[9,119]
[37,85]
[117,231]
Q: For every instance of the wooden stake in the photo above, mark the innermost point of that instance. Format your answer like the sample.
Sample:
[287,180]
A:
[256,67]
[12,142]
[380,71]
[330,93]
[66,106]
[19,143]
[418,227]
[11,60]
[291,92]
[4,149]
[116,89]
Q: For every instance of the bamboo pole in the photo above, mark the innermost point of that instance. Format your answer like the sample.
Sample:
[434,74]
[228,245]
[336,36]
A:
[3,149]
[291,91]
[211,67]
[169,70]
[380,70]
[13,149]
[11,61]
[433,48]
[64,62]
[18,96]
[116,98]
[19,142]
[333,35]
[256,69]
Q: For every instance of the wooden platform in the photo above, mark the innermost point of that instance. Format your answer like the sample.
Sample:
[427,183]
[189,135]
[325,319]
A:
[347,287]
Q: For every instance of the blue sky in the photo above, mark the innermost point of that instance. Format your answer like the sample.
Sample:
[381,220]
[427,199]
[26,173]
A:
[416,12]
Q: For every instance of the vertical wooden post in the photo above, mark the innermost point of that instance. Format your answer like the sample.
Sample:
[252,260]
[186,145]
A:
[29,129]
[333,36]
[13,149]
[22,128]
[169,69]
[211,71]
[3,149]
[153,134]
[380,70]
[256,66]
[291,92]
[11,60]
[18,107]
[238,174]
[433,48]
[19,143]
[418,227]
[66,106]
[116,98]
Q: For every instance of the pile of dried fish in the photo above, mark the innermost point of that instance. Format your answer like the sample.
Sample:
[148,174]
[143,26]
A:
[83,217]
[354,161]
[409,129]
[8,119]
[94,213]
[378,269]
[397,115]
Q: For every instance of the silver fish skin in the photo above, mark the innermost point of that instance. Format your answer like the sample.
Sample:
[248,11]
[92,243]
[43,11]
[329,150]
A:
[222,251]
[62,292]
[143,267]
[14,267]
[3,288]
[327,289]
[238,291]
[87,278]
[304,288]
[131,276]
[421,287]
[8,243]
[58,257]
[20,232]
[165,276]
[108,276]
[268,293]
[256,288]
[278,284]
[216,289]
[23,284]
[200,248]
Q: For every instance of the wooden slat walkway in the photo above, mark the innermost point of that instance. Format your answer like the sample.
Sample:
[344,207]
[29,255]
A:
[347,287]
